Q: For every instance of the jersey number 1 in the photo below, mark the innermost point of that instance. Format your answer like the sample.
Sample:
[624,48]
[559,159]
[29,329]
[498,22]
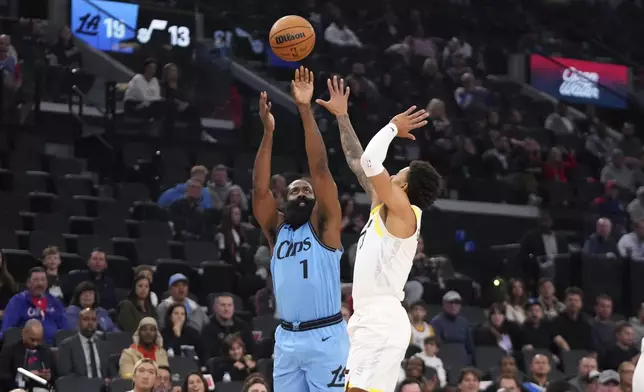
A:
[305,268]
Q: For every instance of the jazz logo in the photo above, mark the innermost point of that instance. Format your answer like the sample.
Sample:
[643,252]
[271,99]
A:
[179,35]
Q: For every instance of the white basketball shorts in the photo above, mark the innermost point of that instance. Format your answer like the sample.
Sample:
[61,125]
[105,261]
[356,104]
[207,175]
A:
[379,334]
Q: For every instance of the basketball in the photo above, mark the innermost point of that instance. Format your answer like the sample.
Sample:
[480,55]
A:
[292,38]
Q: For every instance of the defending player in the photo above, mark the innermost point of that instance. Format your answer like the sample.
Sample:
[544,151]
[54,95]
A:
[311,343]
[379,329]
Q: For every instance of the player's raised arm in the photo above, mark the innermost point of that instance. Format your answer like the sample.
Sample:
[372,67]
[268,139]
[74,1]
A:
[338,105]
[374,155]
[326,192]
[264,207]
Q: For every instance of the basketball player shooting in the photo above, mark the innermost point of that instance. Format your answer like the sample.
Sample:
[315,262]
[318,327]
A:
[311,343]
[379,330]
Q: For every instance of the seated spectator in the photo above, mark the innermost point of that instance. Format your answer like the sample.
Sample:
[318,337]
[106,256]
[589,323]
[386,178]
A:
[86,297]
[143,94]
[429,355]
[179,107]
[147,343]
[496,331]
[637,322]
[536,332]
[137,306]
[95,273]
[610,205]
[11,75]
[587,369]
[219,185]
[420,329]
[256,383]
[194,382]
[144,375]
[177,332]
[148,272]
[623,350]
[236,363]
[470,95]
[626,371]
[179,294]
[163,382]
[35,303]
[600,145]
[601,242]
[265,299]
[508,383]
[630,144]
[603,327]
[616,170]
[232,240]
[8,286]
[516,303]
[29,353]
[508,367]
[635,208]
[450,326]
[629,245]
[66,52]
[412,369]
[538,374]
[236,197]
[84,354]
[338,33]
[198,174]
[469,380]
[224,323]
[572,327]
[418,45]
[551,306]
[409,385]
[187,215]
[558,121]
[466,162]
[458,70]
[51,263]
[558,165]
[278,184]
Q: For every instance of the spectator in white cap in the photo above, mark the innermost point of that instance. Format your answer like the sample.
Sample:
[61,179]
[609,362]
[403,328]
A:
[608,381]
[179,289]
[450,326]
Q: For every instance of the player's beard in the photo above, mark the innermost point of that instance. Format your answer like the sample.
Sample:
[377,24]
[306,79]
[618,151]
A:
[295,214]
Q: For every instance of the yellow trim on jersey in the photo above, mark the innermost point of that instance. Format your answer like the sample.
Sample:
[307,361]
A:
[375,213]
[349,386]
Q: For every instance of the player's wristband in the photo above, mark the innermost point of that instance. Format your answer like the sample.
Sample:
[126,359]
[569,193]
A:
[376,152]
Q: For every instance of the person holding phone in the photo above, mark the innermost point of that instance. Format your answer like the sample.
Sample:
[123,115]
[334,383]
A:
[28,353]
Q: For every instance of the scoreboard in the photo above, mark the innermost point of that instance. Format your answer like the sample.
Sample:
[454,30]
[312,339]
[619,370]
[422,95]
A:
[113,26]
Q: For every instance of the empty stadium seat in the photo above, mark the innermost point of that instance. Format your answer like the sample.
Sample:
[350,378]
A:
[182,366]
[487,358]
[10,219]
[39,240]
[120,269]
[58,167]
[74,383]
[454,356]
[136,153]
[29,143]
[266,325]
[15,201]
[118,341]
[42,202]
[12,335]
[32,181]
[120,385]
[134,191]
[110,227]
[51,223]
[81,225]
[70,262]
[19,262]
[199,251]
[21,162]
[69,206]
[63,334]
[150,249]
[148,211]
[218,276]
[86,243]
[75,184]
[570,361]
[8,238]
[110,208]
[157,230]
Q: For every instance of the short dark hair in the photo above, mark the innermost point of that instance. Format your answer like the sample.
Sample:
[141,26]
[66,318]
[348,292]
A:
[621,325]
[574,291]
[163,367]
[431,340]
[543,281]
[408,381]
[559,386]
[604,297]
[469,370]
[148,61]
[80,289]
[97,249]
[423,184]
[420,303]
[35,270]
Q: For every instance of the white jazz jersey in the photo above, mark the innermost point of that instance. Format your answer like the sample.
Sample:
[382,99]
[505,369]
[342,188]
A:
[383,261]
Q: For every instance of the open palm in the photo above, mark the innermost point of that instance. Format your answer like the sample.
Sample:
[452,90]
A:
[302,86]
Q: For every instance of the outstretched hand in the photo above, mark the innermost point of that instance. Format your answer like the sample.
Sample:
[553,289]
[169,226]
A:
[338,102]
[409,120]
[265,112]
[302,86]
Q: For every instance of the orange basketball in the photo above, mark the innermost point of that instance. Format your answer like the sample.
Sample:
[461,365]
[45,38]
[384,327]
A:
[292,38]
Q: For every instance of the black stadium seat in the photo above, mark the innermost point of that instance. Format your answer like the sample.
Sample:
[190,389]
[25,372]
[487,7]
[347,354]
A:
[51,223]
[218,276]
[39,240]
[118,341]
[234,386]
[182,366]
[200,251]
[110,227]
[86,243]
[19,262]
[150,249]
[120,385]
[74,383]
[63,334]
[157,230]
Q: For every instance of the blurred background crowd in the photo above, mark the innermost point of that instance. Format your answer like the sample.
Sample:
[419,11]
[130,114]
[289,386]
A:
[125,181]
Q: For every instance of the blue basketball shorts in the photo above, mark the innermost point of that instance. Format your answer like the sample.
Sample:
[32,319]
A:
[311,361]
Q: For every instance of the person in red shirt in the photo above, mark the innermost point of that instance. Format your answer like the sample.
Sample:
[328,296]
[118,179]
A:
[559,164]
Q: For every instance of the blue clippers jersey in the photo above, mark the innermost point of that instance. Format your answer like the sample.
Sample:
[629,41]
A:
[306,275]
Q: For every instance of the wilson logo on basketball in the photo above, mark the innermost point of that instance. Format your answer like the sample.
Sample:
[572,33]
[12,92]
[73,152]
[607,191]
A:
[280,39]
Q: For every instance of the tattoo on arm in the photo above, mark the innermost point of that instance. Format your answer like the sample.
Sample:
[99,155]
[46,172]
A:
[353,152]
